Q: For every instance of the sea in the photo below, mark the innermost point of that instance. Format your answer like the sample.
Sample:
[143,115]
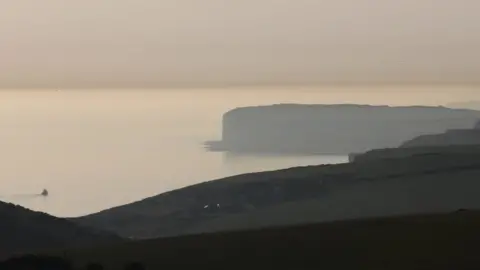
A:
[94,149]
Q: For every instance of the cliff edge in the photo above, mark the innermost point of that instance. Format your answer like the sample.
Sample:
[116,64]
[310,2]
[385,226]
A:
[332,129]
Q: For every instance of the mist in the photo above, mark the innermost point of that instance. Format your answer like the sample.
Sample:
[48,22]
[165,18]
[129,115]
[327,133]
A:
[166,43]
[127,120]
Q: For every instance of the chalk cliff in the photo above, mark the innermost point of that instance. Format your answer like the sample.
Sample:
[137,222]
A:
[332,129]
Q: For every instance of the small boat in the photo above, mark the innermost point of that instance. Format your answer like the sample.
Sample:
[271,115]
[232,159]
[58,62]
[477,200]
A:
[44,193]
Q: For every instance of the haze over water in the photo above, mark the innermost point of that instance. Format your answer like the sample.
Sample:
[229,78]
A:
[95,149]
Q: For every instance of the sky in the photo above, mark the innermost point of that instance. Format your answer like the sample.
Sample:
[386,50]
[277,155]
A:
[164,43]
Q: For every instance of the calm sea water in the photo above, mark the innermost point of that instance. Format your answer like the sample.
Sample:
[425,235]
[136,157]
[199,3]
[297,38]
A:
[97,149]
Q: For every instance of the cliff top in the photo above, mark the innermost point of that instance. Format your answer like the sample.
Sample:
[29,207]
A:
[290,107]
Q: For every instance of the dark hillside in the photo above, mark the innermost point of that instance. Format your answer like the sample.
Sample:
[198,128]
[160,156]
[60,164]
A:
[23,230]
[437,242]
[181,211]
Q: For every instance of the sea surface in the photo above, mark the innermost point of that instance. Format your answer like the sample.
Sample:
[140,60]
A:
[95,149]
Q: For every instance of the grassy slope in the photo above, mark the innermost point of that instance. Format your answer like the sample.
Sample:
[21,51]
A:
[446,241]
[181,211]
[395,196]
[23,230]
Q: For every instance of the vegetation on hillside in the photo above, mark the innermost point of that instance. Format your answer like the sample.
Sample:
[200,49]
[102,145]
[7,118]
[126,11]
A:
[179,211]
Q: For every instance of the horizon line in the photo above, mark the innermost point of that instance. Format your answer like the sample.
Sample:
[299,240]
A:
[242,85]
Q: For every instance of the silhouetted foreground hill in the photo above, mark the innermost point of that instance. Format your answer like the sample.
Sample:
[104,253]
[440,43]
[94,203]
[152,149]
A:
[332,129]
[419,183]
[23,230]
[436,241]
[37,262]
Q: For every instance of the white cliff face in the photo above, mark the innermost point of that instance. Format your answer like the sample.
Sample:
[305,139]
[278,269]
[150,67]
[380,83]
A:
[334,129]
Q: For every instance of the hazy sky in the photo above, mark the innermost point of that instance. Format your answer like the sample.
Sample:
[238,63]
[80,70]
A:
[136,43]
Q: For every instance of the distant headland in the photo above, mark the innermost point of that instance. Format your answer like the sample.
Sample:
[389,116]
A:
[332,129]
